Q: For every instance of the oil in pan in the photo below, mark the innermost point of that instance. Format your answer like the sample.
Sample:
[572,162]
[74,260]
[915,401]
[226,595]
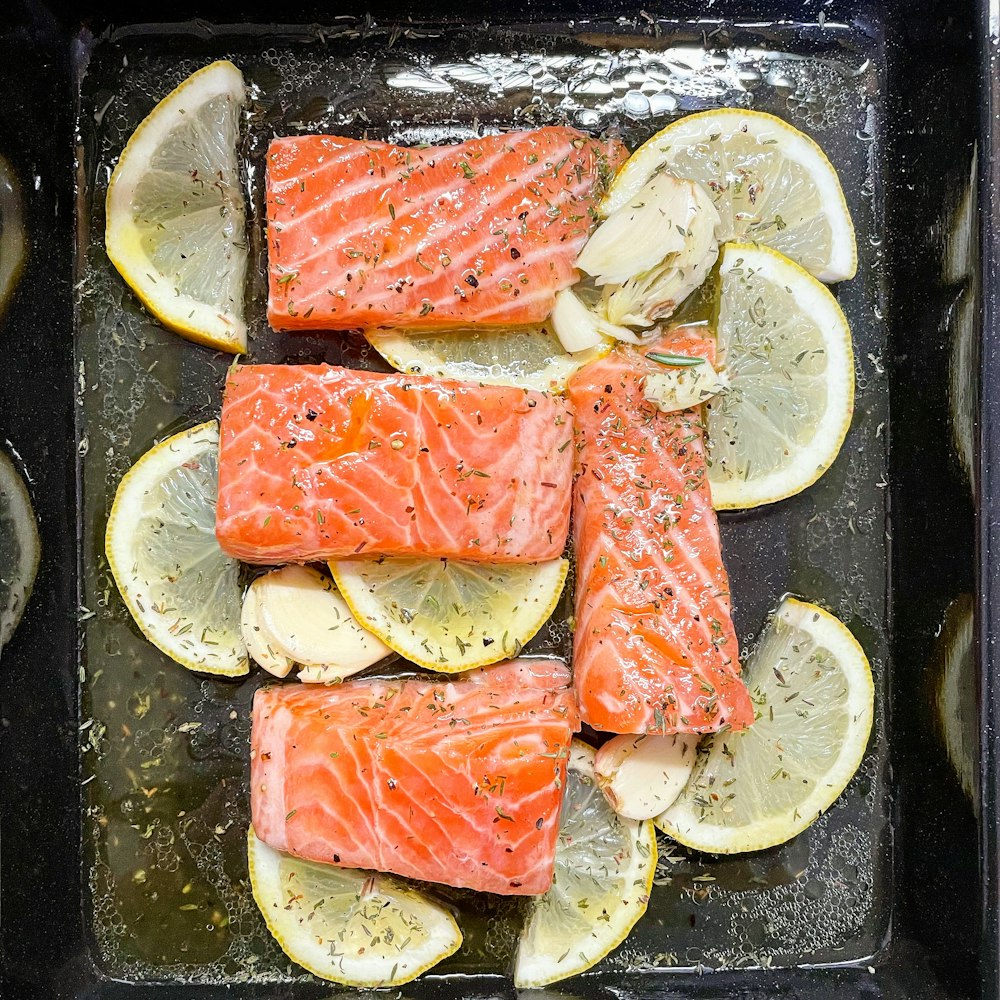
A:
[165,751]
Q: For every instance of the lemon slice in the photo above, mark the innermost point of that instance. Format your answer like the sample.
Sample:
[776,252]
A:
[182,591]
[176,214]
[527,357]
[814,697]
[786,348]
[449,615]
[19,548]
[358,928]
[12,241]
[603,877]
[771,184]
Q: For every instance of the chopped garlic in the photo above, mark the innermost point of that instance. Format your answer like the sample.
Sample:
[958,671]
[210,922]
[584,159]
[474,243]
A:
[682,388]
[579,328]
[641,776]
[652,253]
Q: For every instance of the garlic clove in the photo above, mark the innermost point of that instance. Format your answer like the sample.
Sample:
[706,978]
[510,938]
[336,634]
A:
[311,624]
[683,388]
[641,776]
[664,220]
[258,642]
[580,328]
[640,234]
[646,297]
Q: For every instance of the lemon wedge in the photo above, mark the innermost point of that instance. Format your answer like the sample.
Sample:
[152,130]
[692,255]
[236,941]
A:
[770,182]
[19,548]
[526,357]
[358,928]
[180,588]
[12,240]
[176,213]
[449,615]
[785,347]
[603,877]
[814,697]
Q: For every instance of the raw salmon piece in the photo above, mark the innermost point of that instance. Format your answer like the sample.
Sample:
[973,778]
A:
[321,462]
[654,649]
[364,234]
[457,782]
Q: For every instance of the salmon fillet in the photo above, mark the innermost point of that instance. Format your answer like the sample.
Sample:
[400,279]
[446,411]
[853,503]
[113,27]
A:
[321,462]
[457,781]
[365,234]
[654,648]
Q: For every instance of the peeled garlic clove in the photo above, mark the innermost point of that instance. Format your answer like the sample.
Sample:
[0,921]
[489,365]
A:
[640,234]
[311,624]
[683,388]
[662,221]
[580,328]
[573,323]
[641,776]
[645,297]
[259,644]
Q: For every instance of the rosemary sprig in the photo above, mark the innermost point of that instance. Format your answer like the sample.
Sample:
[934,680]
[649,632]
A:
[675,360]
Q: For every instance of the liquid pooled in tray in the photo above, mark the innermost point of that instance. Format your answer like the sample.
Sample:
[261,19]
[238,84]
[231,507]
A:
[165,752]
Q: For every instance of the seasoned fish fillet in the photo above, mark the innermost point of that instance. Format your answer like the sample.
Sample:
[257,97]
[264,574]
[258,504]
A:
[654,649]
[457,782]
[365,234]
[322,462]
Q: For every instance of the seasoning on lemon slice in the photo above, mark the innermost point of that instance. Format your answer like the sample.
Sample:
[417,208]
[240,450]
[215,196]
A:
[771,184]
[526,357]
[786,350]
[180,588]
[176,213]
[358,928]
[603,877]
[19,548]
[814,698]
[448,615]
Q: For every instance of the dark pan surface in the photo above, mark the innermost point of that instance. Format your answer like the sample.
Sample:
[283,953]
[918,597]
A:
[164,892]
[168,808]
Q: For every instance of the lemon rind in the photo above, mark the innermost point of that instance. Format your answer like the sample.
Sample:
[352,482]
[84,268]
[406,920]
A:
[843,259]
[23,516]
[582,758]
[256,849]
[395,348]
[13,244]
[370,617]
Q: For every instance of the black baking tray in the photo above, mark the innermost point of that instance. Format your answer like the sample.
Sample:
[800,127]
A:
[910,542]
